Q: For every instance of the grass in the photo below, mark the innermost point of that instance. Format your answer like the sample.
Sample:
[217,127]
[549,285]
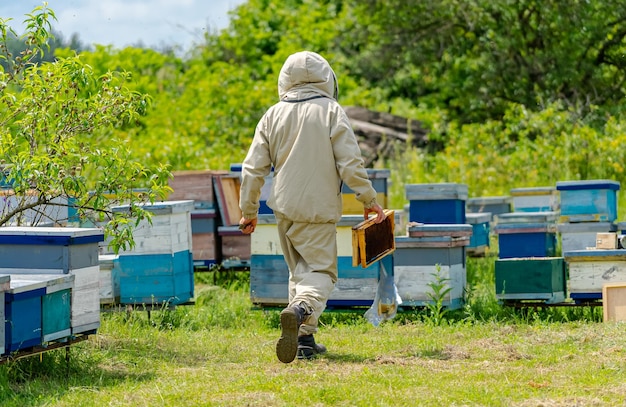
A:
[220,352]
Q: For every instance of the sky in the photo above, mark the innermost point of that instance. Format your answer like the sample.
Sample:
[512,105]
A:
[151,23]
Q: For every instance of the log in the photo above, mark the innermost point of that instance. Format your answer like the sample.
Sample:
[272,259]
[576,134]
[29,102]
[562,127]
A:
[381,134]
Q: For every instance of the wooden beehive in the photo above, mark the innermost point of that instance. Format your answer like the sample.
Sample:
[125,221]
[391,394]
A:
[614,301]
[372,241]
[194,185]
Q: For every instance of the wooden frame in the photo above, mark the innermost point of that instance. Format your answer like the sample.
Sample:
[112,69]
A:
[227,197]
[372,241]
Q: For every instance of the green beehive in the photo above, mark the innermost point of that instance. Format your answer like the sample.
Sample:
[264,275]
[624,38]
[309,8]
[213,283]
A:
[532,278]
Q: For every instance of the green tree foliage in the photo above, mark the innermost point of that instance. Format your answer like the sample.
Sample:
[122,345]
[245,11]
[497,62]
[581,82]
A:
[475,56]
[57,142]
[505,85]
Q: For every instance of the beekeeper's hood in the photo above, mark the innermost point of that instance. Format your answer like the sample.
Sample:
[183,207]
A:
[306,75]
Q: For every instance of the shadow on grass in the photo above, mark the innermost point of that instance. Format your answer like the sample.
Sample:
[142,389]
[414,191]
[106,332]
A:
[341,358]
[37,379]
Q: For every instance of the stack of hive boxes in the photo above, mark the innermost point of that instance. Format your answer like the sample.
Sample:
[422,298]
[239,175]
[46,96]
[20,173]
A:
[158,270]
[589,238]
[527,267]
[49,284]
[434,250]
[198,187]
[480,213]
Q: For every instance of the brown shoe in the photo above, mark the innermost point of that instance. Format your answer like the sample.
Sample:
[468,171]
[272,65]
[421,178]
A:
[290,320]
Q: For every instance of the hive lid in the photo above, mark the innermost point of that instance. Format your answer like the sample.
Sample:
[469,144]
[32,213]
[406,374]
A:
[489,200]
[533,191]
[436,191]
[527,217]
[451,230]
[476,218]
[587,184]
[586,227]
[58,236]
[160,208]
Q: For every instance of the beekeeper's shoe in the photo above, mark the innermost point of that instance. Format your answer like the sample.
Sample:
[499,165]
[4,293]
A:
[308,349]
[290,320]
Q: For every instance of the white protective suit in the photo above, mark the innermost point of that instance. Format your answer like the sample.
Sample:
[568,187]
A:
[308,139]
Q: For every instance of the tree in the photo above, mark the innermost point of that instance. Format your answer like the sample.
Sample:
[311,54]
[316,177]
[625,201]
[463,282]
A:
[58,149]
[474,57]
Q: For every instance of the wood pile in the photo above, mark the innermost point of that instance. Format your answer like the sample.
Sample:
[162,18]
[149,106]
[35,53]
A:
[380,134]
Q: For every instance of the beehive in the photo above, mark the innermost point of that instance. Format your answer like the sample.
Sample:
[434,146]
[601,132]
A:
[589,200]
[159,268]
[269,274]
[538,278]
[430,255]
[442,203]
[535,199]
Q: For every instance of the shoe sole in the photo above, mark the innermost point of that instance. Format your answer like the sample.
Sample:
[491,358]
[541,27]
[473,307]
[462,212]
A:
[287,345]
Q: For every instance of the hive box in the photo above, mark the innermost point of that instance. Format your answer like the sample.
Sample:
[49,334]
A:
[584,201]
[55,304]
[51,250]
[269,274]
[109,287]
[235,169]
[491,204]
[479,240]
[169,230]
[4,286]
[204,237]
[235,247]
[156,279]
[379,179]
[194,185]
[614,302]
[442,203]
[38,250]
[159,269]
[23,315]
[54,213]
[538,278]
[535,199]
[582,235]
[526,234]
[431,253]
[589,270]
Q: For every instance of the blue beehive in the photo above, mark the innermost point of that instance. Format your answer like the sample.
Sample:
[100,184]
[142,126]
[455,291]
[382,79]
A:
[34,249]
[585,201]
[442,203]
[479,241]
[55,304]
[23,315]
[52,250]
[159,269]
[526,234]
[269,274]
